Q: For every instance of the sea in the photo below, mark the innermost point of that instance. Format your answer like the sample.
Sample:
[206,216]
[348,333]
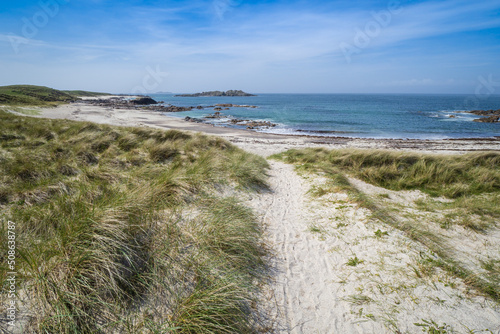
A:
[401,116]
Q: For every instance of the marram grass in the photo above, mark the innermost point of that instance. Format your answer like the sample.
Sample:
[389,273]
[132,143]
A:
[122,230]
[451,176]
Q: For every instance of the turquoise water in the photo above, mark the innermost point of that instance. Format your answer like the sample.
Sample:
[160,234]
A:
[356,115]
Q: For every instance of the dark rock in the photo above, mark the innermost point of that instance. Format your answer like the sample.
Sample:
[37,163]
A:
[137,104]
[486,112]
[192,119]
[229,105]
[144,101]
[259,124]
[215,115]
[490,119]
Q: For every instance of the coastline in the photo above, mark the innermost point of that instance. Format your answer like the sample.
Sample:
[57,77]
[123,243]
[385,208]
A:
[262,143]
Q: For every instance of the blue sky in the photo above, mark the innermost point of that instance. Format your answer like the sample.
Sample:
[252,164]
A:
[448,46]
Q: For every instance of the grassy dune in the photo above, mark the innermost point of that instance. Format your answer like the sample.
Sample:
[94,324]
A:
[463,192]
[29,95]
[129,229]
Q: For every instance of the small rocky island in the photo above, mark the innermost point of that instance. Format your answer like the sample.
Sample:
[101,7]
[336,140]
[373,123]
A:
[218,93]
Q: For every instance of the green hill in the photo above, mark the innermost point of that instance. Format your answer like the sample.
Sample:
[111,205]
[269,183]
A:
[33,95]
[29,95]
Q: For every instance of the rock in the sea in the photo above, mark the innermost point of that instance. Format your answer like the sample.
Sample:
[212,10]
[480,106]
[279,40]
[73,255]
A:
[490,119]
[215,115]
[192,119]
[144,101]
[228,105]
[490,112]
[218,93]
[259,124]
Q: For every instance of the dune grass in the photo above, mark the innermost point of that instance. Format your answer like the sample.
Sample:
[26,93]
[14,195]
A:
[125,229]
[470,182]
[451,176]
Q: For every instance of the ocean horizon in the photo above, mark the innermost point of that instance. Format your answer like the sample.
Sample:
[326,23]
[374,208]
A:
[380,116]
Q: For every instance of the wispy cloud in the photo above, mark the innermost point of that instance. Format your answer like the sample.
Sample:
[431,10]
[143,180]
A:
[221,37]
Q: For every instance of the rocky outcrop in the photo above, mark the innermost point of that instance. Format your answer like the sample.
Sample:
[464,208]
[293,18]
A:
[138,104]
[215,115]
[229,105]
[143,101]
[249,124]
[490,112]
[259,124]
[218,93]
[490,119]
[193,119]
[491,116]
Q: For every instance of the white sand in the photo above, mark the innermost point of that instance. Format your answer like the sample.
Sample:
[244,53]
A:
[315,291]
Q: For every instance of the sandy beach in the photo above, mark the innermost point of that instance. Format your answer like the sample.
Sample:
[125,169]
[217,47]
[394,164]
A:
[313,290]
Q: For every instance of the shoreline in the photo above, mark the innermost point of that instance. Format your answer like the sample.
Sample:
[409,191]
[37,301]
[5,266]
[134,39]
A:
[260,142]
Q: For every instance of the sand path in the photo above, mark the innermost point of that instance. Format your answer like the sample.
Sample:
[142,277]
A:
[302,297]
[314,291]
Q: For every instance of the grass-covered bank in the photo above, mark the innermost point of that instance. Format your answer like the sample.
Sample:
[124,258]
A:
[128,229]
[30,95]
[463,194]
